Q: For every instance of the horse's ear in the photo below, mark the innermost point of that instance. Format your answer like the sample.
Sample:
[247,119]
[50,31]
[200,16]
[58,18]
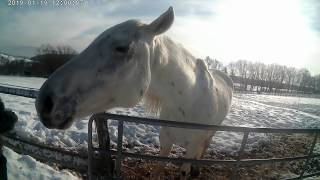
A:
[162,23]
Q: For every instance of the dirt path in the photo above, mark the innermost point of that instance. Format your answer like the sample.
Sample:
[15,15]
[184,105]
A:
[277,146]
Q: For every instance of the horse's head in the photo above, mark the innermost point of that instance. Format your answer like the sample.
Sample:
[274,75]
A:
[113,71]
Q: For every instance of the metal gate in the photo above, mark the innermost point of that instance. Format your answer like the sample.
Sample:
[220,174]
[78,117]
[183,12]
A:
[18,90]
[103,152]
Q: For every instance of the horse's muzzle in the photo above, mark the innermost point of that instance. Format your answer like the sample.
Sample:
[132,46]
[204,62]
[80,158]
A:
[54,112]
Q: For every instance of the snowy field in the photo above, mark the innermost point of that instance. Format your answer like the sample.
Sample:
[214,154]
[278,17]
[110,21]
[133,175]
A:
[247,110]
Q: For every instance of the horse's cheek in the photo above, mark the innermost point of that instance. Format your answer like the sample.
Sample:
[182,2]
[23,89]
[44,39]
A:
[143,81]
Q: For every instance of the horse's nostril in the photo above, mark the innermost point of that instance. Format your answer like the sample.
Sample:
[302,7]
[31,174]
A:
[48,105]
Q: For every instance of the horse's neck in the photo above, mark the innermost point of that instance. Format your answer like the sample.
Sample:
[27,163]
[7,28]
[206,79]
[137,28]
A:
[173,73]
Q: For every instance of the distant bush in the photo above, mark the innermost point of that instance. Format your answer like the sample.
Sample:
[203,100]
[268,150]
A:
[46,64]
[14,67]
[48,58]
[60,49]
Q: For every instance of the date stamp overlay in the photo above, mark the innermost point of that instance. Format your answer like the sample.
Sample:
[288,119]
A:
[47,3]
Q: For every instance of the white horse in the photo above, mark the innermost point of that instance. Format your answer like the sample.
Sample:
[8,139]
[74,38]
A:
[133,61]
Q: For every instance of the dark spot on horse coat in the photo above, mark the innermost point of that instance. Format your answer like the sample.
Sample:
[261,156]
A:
[112,100]
[172,84]
[100,54]
[99,71]
[111,66]
[141,92]
[180,93]
[168,133]
[182,112]
[136,36]
[186,143]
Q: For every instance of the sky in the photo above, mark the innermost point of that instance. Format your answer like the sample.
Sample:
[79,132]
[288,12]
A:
[286,32]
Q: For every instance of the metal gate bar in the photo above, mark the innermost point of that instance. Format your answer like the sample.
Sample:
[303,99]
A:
[119,148]
[243,144]
[18,90]
[239,162]
[187,125]
[309,155]
[243,162]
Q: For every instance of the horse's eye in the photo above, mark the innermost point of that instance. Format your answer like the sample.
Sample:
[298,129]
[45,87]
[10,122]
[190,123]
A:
[122,49]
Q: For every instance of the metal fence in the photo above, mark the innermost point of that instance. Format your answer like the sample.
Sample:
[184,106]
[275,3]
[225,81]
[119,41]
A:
[18,90]
[296,94]
[104,151]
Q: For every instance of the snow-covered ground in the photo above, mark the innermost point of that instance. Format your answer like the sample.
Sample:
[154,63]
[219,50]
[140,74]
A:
[25,167]
[247,110]
[8,58]
[31,82]
[304,104]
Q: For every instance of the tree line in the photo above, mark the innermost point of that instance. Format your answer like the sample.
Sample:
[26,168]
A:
[59,49]
[261,77]
[47,59]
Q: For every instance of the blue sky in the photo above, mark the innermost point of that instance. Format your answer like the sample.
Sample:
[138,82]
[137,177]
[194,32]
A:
[272,31]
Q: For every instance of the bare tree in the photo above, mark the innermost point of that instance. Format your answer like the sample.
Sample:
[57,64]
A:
[272,77]
[291,75]
[317,83]
[232,69]
[214,63]
[60,49]
[65,49]
[306,83]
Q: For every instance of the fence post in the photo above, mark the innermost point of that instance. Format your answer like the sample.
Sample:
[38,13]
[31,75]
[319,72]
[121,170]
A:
[104,164]
[90,148]
[240,152]
[309,155]
[119,148]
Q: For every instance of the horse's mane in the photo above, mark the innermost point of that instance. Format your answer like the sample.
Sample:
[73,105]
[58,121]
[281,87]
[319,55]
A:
[153,103]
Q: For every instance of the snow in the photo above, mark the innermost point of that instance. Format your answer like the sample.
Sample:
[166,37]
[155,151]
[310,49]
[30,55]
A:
[25,167]
[308,105]
[31,82]
[9,58]
[247,110]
